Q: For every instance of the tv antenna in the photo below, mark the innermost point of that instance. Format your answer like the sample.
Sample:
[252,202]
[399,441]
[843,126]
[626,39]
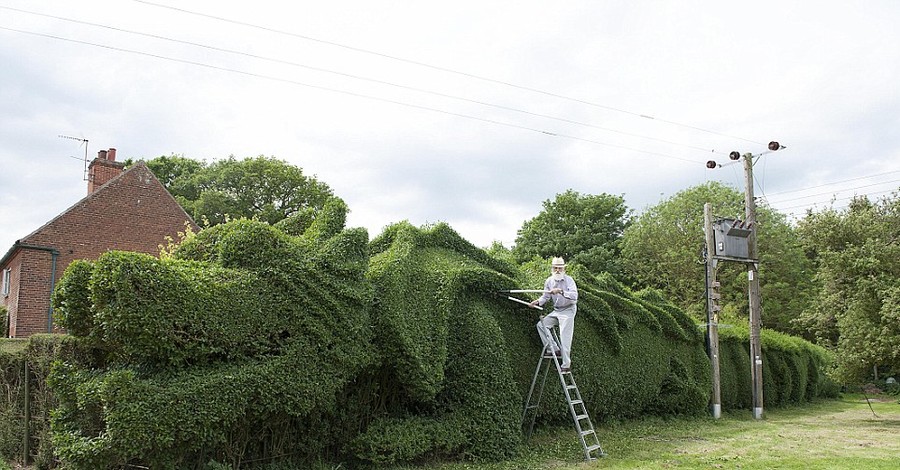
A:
[85,143]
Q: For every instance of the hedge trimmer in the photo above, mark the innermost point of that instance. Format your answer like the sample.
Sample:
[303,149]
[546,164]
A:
[522,291]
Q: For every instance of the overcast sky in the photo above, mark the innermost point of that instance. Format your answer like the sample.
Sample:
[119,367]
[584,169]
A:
[466,112]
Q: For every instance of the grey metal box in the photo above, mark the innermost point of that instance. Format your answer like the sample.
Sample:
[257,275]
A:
[732,238]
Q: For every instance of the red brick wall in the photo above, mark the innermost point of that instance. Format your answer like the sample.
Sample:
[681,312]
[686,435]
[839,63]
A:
[11,301]
[132,213]
[33,302]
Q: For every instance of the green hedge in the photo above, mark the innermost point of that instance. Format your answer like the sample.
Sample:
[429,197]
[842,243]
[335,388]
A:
[12,403]
[442,344]
[39,352]
[4,322]
[306,342]
[244,328]
[793,369]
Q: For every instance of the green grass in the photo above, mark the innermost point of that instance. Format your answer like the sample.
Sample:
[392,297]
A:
[834,434]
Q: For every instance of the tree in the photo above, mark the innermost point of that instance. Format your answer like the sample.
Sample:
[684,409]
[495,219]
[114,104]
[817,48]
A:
[584,229]
[857,309]
[262,188]
[174,169]
[662,248]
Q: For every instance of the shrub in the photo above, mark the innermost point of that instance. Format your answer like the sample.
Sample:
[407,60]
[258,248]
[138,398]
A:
[242,327]
[248,342]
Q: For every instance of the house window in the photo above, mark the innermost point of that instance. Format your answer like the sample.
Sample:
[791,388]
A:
[6,273]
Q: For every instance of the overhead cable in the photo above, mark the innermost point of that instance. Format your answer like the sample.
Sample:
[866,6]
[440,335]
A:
[443,69]
[345,92]
[358,77]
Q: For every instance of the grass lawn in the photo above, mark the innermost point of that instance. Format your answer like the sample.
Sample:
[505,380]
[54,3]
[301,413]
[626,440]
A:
[833,434]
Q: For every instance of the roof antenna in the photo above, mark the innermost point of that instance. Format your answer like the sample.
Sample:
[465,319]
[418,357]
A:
[85,143]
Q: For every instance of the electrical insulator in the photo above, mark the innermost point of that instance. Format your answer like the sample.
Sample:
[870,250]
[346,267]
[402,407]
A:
[711,164]
[773,146]
[734,155]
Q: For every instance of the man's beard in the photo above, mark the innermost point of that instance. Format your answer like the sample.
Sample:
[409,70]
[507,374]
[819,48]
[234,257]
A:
[558,276]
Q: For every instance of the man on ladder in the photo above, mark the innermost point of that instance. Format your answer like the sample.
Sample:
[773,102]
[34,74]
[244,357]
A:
[562,289]
[556,353]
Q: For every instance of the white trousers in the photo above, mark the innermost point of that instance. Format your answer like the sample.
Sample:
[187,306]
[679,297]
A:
[565,320]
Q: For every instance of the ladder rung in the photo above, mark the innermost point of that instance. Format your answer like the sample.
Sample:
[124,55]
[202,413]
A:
[593,447]
[576,402]
[581,417]
[570,387]
[588,432]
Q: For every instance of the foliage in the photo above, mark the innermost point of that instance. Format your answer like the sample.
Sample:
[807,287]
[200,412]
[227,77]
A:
[583,229]
[263,188]
[455,379]
[857,309]
[662,249]
[174,172]
[827,434]
[38,352]
[4,322]
[12,402]
[206,345]
[249,345]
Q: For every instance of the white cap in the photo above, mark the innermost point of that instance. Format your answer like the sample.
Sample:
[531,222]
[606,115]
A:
[558,262]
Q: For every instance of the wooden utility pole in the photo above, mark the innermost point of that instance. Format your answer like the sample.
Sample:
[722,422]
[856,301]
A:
[712,311]
[753,276]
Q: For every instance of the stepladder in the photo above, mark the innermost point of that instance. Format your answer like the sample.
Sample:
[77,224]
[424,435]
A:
[590,442]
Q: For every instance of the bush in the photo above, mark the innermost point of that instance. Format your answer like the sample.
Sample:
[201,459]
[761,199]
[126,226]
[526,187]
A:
[4,322]
[248,342]
[12,403]
[243,327]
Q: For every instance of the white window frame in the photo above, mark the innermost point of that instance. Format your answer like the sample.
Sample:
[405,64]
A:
[6,275]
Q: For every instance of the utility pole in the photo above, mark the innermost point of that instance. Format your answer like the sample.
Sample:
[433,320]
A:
[750,257]
[753,277]
[712,311]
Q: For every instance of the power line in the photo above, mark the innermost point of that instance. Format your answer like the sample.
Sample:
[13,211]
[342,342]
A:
[358,77]
[835,182]
[345,92]
[442,69]
[874,193]
[836,191]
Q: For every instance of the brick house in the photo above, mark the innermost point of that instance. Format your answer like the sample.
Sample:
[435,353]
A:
[124,210]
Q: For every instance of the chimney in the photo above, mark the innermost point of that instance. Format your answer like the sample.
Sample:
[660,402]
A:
[103,168]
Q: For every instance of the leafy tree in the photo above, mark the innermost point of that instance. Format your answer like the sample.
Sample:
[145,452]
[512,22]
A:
[174,169]
[581,228]
[857,309]
[662,248]
[262,188]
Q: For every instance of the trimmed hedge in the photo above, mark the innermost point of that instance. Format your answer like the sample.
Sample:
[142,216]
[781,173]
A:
[306,342]
[244,328]
[444,347]
[793,369]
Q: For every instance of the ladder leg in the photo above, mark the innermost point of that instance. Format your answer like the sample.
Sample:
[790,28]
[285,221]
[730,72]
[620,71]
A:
[590,443]
[534,394]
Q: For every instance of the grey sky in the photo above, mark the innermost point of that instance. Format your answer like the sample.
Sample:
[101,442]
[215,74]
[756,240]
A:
[714,76]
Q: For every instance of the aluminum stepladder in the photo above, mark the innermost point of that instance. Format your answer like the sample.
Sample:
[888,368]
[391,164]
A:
[590,443]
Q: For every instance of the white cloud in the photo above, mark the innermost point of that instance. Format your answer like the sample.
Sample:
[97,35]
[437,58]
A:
[710,75]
